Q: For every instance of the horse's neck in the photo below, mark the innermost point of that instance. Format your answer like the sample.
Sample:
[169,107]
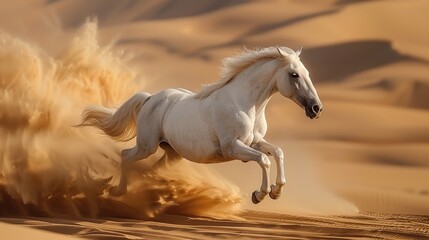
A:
[253,87]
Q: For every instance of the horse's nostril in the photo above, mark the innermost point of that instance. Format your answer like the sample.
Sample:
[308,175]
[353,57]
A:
[316,108]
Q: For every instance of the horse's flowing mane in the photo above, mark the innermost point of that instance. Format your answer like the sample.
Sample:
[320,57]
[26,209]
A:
[232,66]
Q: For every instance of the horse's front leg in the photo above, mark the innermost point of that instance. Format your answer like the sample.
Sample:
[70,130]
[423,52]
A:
[238,150]
[272,150]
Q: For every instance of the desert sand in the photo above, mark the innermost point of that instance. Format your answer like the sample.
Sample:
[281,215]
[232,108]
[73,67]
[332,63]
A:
[360,171]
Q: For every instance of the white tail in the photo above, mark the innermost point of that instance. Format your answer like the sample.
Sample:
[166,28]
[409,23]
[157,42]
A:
[119,124]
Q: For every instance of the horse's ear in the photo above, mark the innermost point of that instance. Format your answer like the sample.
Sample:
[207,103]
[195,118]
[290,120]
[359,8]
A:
[281,52]
[298,52]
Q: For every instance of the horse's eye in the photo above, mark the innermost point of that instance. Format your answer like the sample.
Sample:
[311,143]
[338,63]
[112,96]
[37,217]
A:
[294,75]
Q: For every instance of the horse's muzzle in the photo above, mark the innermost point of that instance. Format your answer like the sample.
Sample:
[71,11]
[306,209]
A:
[313,111]
[312,107]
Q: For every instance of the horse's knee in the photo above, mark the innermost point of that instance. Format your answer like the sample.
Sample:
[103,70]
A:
[264,161]
[278,152]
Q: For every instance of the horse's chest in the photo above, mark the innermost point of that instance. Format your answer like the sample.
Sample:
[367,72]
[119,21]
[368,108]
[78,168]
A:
[250,131]
[254,135]
[248,139]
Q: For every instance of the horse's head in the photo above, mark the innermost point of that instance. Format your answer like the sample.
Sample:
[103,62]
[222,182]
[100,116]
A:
[293,81]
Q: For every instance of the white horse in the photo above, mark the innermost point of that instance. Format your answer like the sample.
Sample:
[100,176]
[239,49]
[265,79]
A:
[224,121]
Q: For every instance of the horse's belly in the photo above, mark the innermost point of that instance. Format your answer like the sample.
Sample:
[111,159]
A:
[196,150]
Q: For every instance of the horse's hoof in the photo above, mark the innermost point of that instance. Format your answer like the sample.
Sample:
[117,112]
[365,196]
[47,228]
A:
[117,191]
[272,194]
[254,198]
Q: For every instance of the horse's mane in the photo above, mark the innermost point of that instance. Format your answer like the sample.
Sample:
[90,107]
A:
[232,66]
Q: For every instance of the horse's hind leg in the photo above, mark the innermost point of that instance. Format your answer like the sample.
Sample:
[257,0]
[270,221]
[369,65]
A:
[170,157]
[146,144]
[128,156]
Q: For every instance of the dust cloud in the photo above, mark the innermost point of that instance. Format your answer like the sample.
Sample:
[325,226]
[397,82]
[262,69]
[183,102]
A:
[50,168]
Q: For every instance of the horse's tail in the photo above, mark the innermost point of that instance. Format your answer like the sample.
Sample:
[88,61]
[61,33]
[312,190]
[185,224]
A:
[119,124]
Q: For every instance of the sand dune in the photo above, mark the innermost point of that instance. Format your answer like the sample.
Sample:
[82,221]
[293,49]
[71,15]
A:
[353,57]
[358,172]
